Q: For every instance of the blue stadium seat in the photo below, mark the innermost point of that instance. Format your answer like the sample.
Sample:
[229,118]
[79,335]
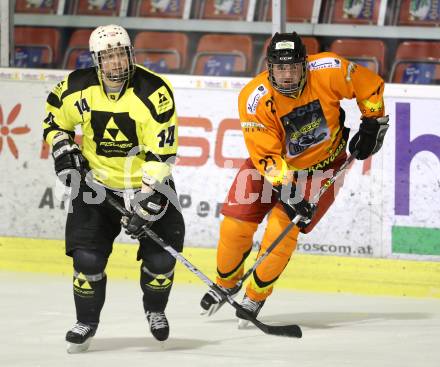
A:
[416,62]
[77,55]
[223,55]
[36,47]
[162,52]
[366,52]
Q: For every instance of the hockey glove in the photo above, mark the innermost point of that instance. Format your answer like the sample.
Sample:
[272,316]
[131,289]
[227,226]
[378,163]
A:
[293,208]
[369,139]
[68,159]
[147,207]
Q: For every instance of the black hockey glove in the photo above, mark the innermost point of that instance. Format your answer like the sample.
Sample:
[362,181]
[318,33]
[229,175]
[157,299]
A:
[68,159]
[288,200]
[147,207]
[369,139]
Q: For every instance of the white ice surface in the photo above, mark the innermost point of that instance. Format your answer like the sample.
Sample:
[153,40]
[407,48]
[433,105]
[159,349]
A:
[339,330]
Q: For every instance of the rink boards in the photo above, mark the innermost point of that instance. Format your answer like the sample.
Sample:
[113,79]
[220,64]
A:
[304,272]
[389,207]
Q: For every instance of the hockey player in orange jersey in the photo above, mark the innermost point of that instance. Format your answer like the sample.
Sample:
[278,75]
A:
[293,128]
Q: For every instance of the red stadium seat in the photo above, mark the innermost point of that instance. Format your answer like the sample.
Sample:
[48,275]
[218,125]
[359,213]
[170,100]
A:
[161,51]
[311,43]
[159,9]
[36,7]
[425,14]
[296,11]
[224,55]
[359,12]
[77,55]
[36,47]
[368,53]
[97,7]
[416,62]
[226,10]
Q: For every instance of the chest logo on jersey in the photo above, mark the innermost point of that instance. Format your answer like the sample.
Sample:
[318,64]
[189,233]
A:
[254,98]
[114,133]
[161,100]
[305,127]
[325,63]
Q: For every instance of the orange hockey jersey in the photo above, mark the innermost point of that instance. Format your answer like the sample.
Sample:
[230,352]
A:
[283,134]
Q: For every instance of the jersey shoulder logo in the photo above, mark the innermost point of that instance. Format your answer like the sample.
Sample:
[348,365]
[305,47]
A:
[325,63]
[254,98]
[161,100]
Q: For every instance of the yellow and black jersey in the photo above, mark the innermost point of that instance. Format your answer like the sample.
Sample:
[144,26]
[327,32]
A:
[125,134]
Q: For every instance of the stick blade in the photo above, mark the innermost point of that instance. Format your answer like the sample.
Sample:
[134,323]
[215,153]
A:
[290,331]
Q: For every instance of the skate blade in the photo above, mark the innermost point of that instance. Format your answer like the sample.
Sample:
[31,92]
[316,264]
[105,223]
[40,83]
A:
[210,311]
[214,308]
[73,348]
[242,324]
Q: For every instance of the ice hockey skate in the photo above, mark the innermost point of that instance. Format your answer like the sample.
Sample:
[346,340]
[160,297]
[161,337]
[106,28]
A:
[251,306]
[158,325]
[79,337]
[211,301]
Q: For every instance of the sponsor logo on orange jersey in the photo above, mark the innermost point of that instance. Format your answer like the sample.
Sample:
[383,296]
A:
[325,63]
[254,98]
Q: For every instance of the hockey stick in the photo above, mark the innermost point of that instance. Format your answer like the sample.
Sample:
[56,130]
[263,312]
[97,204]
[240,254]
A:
[293,331]
[293,223]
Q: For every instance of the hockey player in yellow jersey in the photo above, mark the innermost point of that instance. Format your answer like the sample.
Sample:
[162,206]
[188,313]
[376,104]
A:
[128,121]
[293,126]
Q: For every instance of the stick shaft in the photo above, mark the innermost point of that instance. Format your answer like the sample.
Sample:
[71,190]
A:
[295,220]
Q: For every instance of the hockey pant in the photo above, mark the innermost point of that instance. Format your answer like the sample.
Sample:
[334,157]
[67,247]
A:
[235,244]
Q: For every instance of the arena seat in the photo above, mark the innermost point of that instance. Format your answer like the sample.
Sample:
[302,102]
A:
[224,10]
[162,51]
[360,12]
[425,14]
[311,43]
[299,11]
[36,47]
[159,9]
[77,55]
[97,7]
[36,7]
[416,62]
[366,52]
[225,55]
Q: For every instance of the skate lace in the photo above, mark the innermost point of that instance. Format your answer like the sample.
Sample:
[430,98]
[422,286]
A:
[250,305]
[81,329]
[157,320]
[217,298]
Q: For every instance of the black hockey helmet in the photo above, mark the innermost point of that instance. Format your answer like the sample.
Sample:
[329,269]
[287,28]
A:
[287,49]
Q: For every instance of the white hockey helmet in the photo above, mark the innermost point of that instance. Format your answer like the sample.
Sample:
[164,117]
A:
[110,43]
